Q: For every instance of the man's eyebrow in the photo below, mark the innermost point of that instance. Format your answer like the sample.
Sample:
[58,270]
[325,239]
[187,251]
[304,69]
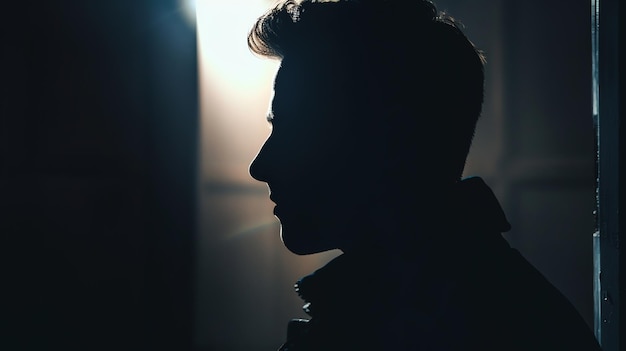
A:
[270,117]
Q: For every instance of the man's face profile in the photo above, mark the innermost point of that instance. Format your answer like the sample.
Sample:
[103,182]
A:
[311,162]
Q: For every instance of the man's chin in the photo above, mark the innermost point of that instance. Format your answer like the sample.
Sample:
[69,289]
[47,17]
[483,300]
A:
[304,242]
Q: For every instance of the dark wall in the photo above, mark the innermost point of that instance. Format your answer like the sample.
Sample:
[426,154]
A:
[549,150]
[98,164]
[535,142]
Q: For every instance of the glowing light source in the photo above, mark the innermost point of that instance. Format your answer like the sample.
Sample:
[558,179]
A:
[235,88]
[188,9]
[222,32]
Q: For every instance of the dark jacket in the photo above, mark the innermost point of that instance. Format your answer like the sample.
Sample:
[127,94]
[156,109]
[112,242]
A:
[466,290]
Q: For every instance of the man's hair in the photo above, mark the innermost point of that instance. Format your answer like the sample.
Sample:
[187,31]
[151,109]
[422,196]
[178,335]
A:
[408,65]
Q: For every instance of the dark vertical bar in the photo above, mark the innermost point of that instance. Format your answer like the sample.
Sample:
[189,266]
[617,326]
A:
[608,79]
[98,125]
[172,183]
[595,94]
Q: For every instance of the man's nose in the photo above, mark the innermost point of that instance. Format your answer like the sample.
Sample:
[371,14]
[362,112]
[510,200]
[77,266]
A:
[259,167]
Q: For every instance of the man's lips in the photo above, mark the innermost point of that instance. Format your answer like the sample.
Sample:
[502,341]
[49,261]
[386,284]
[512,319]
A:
[276,208]
[275,197]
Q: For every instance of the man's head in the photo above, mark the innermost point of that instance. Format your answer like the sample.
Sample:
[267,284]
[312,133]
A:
[372,99]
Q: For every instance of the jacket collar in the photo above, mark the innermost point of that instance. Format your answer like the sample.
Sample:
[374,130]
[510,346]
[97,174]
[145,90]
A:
[472,220]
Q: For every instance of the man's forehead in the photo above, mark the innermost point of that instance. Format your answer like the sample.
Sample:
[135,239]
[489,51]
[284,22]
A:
[309,78]
[296,84]
[292,73]
[323,89]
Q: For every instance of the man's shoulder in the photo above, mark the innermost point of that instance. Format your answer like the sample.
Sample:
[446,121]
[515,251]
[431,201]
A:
[515,307]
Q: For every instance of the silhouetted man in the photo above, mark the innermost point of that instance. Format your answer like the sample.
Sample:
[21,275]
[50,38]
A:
[374,110]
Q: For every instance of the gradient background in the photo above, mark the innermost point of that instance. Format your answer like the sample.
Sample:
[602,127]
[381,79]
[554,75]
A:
[129,221]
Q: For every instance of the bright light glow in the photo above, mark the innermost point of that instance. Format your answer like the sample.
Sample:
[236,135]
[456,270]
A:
[235,89]
[222,30]
[188,8]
